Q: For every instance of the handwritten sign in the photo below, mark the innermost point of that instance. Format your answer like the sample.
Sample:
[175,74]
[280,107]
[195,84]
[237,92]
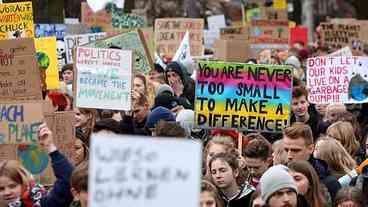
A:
[72,41]
[47,62]
[62,126]
[337,79]
[16,20]
[19,122]
[103,78]
[269,32]
[170,31]
[135,171]
[234,33]
[352,34]
[100,19]
[345,51]
[133,40]
[243,96]
[20,76]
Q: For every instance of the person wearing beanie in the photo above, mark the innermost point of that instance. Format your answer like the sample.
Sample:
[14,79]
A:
[178,79]
[278,188]
[157,114]
[164,88]
[185,118]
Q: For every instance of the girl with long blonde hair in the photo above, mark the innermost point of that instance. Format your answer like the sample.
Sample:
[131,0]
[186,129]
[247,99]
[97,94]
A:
[343,132]
[338,159]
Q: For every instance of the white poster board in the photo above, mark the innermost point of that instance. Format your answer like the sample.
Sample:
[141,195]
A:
[337,80]
[345,51]
[141,171]
[73,41]
[104,78]
[216,22]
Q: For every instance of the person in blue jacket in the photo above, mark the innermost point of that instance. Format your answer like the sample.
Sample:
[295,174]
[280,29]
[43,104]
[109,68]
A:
[18,188]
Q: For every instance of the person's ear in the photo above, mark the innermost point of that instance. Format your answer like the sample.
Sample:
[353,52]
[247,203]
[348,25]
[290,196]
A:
[269,160]
[236,173]
[310,148]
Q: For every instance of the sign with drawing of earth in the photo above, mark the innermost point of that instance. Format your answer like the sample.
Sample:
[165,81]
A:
[33,158]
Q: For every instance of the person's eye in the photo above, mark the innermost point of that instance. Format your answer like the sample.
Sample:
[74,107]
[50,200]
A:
[223,170]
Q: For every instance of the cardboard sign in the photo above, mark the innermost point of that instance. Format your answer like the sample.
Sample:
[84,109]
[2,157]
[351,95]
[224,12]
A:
[20,76]
[62,126]
[234,33]
[299,34]
[279,4]
[72,41]
[134,41]
[352,34]
[16,20]
[170,31]
[269,32]
[243,96]
[337,79]
[19,122]
[270,13]
[135,171]
[103,78]
[47,61]
[101,18]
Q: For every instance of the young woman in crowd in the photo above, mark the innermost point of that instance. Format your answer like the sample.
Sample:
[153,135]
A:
[81,147]
[350,197]
[338,159]
[343,132]
[140,86]
[308,183]
[19,189]
[229,179]
[216,145]
[85,120]
[210,196]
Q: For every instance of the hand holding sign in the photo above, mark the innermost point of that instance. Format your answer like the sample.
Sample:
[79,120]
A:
[45,138]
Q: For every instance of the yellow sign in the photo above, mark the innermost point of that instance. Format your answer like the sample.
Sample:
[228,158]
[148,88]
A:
[279,4]
[16,20]
[47,61]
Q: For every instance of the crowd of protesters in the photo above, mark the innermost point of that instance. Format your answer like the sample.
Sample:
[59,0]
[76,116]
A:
[319,160]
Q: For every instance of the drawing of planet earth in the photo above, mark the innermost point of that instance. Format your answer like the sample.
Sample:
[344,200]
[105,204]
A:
[33,158]
[43,60]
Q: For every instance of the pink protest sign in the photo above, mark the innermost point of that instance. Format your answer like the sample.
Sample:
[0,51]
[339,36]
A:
[337,79]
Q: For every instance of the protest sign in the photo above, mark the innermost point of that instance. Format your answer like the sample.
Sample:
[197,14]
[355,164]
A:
[234,33]
[345,51]
[16,20]
[269,32]
[280,4]
[270,13]
[103,78]
[62,126]
[299,34]
[100,19]
[133,40]
[47,62]
[120,19]
[254,13]
[210,37]
[337,79]
[243,96]
[72,41]
[216,22]
[170,31]
[59,31]
[19,122]
[134,171]
[352,34]
[231,50]
[20,76]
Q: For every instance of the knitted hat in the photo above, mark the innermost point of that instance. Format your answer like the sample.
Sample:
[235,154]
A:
[157,114]
[186,120]
[275,179]
[177,68]
[164,88]
[168,101]
[293,61]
